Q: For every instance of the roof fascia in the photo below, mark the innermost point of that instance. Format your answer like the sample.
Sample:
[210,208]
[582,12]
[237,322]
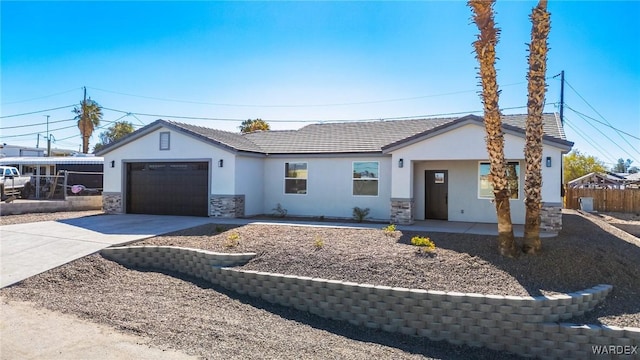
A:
[327,155]
[158,124]
[563,145]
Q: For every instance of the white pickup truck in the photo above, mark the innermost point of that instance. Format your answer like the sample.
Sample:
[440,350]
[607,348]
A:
[12,184]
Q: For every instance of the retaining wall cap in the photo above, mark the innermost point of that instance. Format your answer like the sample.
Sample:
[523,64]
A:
[436,292]
[612,328]
[474,295]
[384,289]
[495,297]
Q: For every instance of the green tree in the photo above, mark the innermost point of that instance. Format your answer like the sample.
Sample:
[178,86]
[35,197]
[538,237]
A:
[577,164]
[485,48]
[88,114]
[251,125]
[115,132]
[622,166]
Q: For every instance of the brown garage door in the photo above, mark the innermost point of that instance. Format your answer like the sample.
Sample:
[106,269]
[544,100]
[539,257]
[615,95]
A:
[163,188]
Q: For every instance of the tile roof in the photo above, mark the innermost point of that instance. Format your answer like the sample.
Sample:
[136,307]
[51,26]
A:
[373,136]
[346,137]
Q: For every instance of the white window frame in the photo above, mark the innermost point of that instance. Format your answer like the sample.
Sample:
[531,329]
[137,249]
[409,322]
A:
[165,135]
[518,172]
[306,178]
[353,179]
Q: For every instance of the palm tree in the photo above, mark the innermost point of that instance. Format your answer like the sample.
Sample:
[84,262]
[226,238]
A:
[485,48]
[540,19]
[88,114]
[252,125]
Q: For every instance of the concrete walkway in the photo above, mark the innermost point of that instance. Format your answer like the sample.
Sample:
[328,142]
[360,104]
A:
[29,249]
[456,227]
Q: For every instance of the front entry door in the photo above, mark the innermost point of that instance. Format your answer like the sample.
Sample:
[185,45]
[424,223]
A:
[436,194]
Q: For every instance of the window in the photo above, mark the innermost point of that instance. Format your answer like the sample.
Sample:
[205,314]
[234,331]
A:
[365,178]
[164,140]
[513,180]
[295,178]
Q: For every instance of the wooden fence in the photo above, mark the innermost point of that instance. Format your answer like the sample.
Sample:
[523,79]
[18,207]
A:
[614,200]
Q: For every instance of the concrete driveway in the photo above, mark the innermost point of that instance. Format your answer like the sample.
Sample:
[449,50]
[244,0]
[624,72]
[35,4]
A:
[33,248]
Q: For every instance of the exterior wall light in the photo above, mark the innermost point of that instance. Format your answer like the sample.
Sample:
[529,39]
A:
[220,163]
[401,163]
[113,163]
[548,161]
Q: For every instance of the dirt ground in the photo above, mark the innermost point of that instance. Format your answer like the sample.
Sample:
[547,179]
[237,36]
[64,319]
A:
[196,318]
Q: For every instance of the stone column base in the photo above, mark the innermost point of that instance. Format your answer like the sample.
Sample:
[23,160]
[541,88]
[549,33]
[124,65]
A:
[551,217]
[402,212]
[228,206]
[112,203]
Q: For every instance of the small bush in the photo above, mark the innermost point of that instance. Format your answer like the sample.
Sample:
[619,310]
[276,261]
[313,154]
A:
[233,240]
[389,230]
[279,211]
[425,244]
[220,228]
[360,214]
[318,243]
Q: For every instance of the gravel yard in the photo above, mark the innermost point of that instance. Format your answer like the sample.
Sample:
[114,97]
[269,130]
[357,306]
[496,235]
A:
[192,316]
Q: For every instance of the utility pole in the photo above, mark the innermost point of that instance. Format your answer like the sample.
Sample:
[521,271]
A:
[562,97]
[83,118]
[48,141]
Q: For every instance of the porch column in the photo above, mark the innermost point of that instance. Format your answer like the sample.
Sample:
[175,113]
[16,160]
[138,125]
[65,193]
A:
[402,211]
[402,204]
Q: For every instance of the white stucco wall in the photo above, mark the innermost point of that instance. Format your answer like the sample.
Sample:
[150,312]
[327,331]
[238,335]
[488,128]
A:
[329,188]
[182,148]
[250,183]
[464,203]
[459,152]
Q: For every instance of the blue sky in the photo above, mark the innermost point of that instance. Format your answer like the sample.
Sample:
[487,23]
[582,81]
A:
[294,62]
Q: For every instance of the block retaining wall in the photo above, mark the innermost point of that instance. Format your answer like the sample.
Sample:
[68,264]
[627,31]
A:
[522,325]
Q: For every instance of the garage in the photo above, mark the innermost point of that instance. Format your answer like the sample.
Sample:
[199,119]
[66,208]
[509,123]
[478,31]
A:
[167,188]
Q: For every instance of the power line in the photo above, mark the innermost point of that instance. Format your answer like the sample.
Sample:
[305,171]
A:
[23,126]
[300,105]
[587,138]
[38,98]
[600,122]
[312,121]
[608,138]
[596,111]
[35,112]
[31,134]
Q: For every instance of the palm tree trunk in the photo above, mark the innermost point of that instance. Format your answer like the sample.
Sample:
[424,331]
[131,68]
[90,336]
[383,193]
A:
[485,47]
[540,19]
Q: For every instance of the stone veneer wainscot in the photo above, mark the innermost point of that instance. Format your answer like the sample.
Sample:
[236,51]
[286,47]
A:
[227,206]
[112,203]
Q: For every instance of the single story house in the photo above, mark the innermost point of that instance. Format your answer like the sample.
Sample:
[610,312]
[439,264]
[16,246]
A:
[402,170]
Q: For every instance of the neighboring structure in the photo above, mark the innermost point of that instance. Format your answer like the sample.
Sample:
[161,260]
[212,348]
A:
[84,170]
[606,180]
[25,151]
[401,170]
[16,150]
